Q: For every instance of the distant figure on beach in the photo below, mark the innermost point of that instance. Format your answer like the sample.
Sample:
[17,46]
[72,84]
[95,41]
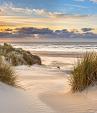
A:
[58,67]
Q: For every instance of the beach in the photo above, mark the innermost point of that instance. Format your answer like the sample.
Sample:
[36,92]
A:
[48,56]
[50,91]
[46,88]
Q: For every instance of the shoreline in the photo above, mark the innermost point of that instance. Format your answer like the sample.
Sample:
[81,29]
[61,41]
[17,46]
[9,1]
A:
[58,54]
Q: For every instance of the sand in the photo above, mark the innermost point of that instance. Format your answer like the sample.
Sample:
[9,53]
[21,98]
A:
[38,80]
[59,53]
[13,100]
[72,103]
[45,90]
[49,91]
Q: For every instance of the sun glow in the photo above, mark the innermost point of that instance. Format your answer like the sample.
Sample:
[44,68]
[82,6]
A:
[52,23]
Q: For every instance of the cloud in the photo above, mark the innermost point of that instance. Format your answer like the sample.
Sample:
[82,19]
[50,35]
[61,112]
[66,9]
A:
[1,12]
[79,0]
[13,16]
[86,29]
[25,32]
[76,5]
[31,30]
[57,22]
[32,33]
[95,1]
[8,9]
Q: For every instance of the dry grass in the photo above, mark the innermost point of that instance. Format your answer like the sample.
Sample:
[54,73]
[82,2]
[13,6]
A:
[7,75]
[84,73]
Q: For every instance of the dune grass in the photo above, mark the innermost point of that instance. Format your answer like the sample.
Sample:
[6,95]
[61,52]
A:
[84,73]
[18,56]
[7,75]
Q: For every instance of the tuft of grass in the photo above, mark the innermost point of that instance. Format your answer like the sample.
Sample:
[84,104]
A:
[84,73]
[7,75]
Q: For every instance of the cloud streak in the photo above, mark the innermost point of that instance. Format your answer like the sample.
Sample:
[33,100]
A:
[76,6]
[95,1]
[11,10]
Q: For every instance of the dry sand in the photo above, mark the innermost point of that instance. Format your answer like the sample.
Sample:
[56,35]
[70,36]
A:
[40,80]
[49,91]
[45,90]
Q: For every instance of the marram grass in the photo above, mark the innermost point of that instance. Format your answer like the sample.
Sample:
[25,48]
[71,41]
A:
[7,75]
[84,73]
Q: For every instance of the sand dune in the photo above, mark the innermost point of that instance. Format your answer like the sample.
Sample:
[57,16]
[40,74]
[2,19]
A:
[50,90]
[40,82]
[45,90]
[71,103]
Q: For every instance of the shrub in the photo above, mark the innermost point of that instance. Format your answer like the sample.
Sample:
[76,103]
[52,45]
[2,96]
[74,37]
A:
[84,73]
[14,59]
[18,56]
[31,59]
[28,58]
[7,48]
[7,74]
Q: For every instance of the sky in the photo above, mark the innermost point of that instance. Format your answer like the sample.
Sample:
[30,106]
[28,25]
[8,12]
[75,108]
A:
[73,15]
[53,14]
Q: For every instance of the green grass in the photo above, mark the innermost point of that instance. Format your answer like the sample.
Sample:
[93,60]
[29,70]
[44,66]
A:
[7,75]
[84,73]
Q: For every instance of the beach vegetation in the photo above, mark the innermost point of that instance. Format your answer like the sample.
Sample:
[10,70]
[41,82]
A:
[84,73]
[18,56]
[7,74]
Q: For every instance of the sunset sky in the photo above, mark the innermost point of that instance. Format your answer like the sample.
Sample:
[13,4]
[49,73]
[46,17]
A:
[53,14]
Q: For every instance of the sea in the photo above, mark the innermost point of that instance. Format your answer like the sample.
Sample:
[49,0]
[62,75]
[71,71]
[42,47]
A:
[58,46]
[58,54]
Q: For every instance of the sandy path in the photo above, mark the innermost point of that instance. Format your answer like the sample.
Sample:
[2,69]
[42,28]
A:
[48,91]
[37,81]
